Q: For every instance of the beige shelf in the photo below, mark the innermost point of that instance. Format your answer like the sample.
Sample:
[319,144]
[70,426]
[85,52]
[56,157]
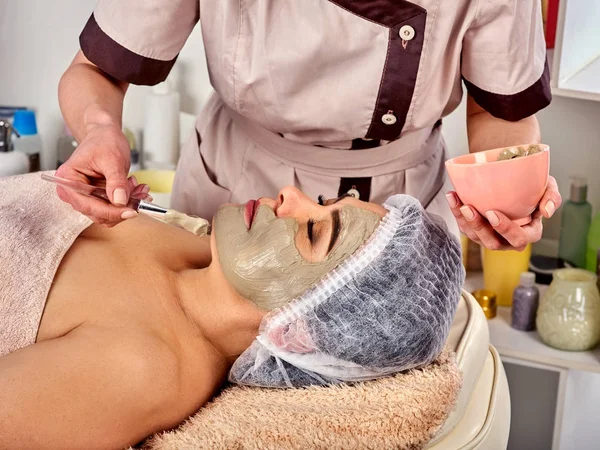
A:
[527,346]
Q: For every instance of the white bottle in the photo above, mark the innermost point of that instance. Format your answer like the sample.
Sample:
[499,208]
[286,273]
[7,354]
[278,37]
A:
[161,128]
[30,141]
[11,162]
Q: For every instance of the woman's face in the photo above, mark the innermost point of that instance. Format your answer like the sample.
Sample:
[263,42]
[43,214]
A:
[271,250]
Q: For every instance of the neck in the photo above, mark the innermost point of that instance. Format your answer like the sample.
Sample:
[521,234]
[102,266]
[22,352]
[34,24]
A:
[226,319]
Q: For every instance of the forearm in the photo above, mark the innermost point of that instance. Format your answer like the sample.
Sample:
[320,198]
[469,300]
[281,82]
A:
[88,97]
[486,132]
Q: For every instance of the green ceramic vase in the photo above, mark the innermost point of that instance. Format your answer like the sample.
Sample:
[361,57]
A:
[568,317]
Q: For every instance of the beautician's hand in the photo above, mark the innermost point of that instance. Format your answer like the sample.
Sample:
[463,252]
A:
[495,231]
[102,157]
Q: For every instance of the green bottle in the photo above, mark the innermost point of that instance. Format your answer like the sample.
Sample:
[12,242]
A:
[593,245]
[576,219]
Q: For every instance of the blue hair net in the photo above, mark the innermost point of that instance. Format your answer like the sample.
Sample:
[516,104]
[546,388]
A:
[385,309]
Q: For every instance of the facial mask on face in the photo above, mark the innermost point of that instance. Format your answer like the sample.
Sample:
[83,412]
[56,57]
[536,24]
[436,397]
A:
[264,265]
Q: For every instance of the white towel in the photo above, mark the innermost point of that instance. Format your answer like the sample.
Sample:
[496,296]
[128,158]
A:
[36,230]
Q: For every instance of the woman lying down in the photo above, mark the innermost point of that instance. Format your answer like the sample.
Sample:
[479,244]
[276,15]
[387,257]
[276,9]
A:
[110,335]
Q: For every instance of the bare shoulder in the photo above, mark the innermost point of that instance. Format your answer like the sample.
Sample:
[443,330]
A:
[140,370]
[138,360]
[119,384]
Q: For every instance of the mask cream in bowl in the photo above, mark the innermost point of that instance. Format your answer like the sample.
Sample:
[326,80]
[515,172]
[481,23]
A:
[511,180]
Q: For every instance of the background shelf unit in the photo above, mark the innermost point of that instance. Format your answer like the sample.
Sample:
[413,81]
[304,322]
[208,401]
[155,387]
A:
[575,59]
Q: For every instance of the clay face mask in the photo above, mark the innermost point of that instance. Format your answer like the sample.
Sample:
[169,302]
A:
[264,265]
[518,152]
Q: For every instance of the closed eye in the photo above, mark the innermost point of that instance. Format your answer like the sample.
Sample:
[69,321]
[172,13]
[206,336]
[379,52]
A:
[309,229]
[335,228]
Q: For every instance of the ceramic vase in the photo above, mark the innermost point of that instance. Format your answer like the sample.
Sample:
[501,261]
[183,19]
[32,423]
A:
[568,316]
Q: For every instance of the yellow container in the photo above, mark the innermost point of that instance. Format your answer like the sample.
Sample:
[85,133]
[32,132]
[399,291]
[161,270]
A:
[158,180]
[160,183]
[502,271]
[487,301]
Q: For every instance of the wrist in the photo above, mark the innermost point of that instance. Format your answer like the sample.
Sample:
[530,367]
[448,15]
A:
[95,116]
[486,132]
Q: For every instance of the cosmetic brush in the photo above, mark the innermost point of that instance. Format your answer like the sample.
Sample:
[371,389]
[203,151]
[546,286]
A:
[195,225]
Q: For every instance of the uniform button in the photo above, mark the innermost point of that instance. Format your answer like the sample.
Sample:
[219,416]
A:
[388,119]
[407,32]
[354,193]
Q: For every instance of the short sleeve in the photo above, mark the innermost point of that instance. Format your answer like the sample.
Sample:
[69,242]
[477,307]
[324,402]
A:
[138,41]
[504,64]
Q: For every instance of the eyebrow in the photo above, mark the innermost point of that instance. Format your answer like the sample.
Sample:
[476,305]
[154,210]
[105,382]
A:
[335,228]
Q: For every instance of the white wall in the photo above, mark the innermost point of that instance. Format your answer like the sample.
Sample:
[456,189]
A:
[38,38]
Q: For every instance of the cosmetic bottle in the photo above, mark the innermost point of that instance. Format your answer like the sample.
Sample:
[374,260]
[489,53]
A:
[576,219]
[593,244]
[525,303]
[487,301]
[502,270]
[11,162]
[161,127]
[30,141]
[598,270]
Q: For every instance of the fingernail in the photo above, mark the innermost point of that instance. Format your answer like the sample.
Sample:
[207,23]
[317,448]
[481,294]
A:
[451,200]
[129,214]
[134,181]
[119,197]
[550,207]
[492,218]
[146,189]
[467,213]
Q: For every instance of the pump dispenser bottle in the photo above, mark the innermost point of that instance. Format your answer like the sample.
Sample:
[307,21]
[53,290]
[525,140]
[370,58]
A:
[576,219]
[11,162]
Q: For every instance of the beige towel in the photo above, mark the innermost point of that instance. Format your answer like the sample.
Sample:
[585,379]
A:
[400,412]
[36,230]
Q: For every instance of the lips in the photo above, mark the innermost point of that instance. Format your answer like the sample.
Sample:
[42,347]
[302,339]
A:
[250,212]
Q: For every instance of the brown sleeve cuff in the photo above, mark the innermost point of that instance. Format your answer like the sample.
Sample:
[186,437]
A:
[517,106]
[118,61]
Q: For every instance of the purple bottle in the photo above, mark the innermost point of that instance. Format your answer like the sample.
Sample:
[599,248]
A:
[525,303]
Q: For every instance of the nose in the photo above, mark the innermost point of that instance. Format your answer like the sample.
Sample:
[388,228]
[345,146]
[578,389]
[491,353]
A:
[291,202]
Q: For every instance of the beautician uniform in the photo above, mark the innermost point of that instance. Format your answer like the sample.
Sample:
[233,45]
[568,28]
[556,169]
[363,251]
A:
[325,95]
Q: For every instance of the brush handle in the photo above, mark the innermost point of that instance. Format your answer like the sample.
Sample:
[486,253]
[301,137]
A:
[100,193]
